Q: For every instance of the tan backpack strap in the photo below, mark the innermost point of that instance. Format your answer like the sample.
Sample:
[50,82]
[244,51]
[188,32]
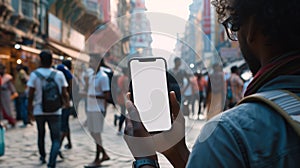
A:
[286,103]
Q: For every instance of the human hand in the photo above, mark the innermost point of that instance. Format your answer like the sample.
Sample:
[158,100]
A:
[170,143]
[30,112]
[30,118]
[67,104]
[14,95]
[138,139]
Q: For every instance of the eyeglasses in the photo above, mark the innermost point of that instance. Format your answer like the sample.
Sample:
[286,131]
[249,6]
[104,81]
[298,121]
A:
[231,29]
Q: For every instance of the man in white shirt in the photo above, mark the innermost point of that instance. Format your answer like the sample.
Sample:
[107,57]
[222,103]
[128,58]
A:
[35,106]
[97,94]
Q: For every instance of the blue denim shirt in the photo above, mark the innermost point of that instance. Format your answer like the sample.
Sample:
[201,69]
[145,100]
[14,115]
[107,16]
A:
[249,135]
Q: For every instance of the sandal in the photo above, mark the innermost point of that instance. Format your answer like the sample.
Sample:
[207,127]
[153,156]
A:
[94,164]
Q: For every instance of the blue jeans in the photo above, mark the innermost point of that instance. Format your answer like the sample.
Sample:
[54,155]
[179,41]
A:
[202,99]
[65,126]
[21,107]
[54,124]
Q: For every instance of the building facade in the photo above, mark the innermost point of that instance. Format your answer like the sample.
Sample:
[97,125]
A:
[28,26]
[23,28]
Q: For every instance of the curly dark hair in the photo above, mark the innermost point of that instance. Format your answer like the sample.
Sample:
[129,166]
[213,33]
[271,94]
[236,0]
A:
[280,20]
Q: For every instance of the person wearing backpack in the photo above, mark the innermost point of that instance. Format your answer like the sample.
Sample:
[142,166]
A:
[110,74]
[123,85]
[254,133]
[47,95]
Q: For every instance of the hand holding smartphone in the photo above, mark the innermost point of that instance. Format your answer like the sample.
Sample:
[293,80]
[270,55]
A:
[150,92]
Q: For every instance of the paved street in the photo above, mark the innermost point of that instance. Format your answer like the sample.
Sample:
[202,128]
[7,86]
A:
[21,147]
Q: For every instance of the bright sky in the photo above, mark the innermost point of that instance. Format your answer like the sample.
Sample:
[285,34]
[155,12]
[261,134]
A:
[179,8]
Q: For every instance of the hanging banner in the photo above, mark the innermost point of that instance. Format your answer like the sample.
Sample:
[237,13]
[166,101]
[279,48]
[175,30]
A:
[206,17]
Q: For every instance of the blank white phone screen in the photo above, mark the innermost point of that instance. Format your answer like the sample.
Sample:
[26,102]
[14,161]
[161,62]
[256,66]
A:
[150,93]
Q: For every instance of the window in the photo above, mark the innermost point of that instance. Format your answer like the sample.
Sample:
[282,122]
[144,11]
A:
[28,8]
[41,12]
[16,5]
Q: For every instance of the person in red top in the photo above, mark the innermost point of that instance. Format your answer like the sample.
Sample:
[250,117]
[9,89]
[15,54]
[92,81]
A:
[202,87]
[8,93]
[123,84]
[194,84]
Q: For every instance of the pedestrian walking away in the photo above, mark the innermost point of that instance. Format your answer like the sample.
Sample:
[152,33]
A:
[202,87]
[123,84]
[65,68]
[40,80]
[8,93]
[176,76]
[21,101]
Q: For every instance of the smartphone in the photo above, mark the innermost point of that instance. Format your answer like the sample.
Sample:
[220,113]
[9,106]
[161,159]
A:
[150,93]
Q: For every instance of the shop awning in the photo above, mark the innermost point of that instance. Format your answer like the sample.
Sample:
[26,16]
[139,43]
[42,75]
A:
[4,56]
[35,51]
[72,53]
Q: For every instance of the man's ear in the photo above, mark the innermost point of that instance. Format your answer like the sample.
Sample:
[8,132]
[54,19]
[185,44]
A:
[252,30]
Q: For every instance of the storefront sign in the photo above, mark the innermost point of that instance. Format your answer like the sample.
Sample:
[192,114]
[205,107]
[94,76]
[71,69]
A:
[72,37]
[228,53]
[55,27]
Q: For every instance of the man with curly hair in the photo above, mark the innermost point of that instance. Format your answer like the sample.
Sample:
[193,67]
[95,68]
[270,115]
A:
[251,134]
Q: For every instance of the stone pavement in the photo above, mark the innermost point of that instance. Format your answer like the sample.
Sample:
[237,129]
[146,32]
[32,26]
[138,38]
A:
[21,145]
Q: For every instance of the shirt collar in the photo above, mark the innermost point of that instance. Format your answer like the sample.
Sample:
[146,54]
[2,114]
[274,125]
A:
[285,82]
